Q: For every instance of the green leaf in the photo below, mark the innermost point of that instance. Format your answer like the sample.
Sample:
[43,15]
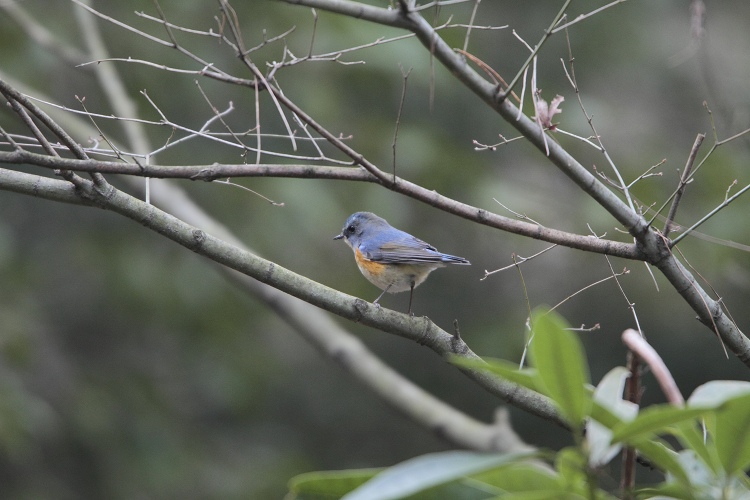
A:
[658,453]
[655,420]
[571,465]
[525,377]
[427,471]
[729,424]
[558,357]
[462,489]
[732,434]
[704,483]
[544,495]
[521,477]
[692,439]
[668,490]
[325,485]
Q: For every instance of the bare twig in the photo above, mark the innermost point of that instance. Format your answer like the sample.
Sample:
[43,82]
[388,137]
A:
[517,261]
[535,51]
[683,182]
[710,214]
[590,285]
[471,22]
[405,76]
[581,17]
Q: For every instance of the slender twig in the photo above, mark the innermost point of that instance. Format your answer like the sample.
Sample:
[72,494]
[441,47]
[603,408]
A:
[547,34]
[243,55]
[517,261]
[471,23]
[227,182]
[710,214]
[529,322]
[220,116]
[587,15]
[590,119]
[405,76]
[683,182]
[631,305]
[492,147]
[14,96]
[590,285]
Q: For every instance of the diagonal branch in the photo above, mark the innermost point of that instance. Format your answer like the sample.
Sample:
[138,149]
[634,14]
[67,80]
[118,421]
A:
[216,171]
[654,246]
[683,182]
[490,94]
[420,330]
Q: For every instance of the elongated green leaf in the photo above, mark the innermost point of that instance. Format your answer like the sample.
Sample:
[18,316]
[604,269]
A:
[558,357]
[575,481]
[571,465]
[427,471]
[655,420]
[525,377]
[692,439]
[521,477]
[732,434]
[658,453]
[325,485]
[668,490]
[462,489]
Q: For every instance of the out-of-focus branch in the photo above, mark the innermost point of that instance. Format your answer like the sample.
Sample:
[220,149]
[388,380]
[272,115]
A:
[41,35]
[403,395]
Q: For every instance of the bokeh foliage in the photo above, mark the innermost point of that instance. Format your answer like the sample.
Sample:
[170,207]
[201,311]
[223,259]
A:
[131,369]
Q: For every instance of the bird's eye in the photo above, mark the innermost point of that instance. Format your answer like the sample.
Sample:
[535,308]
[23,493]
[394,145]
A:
[350,229]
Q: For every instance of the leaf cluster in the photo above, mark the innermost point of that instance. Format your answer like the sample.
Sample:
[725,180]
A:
[708,460]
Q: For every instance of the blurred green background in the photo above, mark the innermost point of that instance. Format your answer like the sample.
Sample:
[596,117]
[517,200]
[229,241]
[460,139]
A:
[130,368]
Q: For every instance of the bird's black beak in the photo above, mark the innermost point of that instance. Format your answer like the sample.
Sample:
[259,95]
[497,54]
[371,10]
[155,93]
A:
[338,237]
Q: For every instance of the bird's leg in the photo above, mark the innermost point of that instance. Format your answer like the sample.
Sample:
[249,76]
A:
[411,296]
[381,296]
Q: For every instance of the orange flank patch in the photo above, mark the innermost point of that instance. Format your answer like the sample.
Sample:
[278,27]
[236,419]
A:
[368,266]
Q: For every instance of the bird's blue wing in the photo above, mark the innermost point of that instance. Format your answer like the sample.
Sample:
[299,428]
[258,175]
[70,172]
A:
[406,249]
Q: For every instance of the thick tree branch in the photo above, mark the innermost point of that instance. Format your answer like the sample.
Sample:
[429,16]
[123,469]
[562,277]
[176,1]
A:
[654,246]
[420,330]
[492,95]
